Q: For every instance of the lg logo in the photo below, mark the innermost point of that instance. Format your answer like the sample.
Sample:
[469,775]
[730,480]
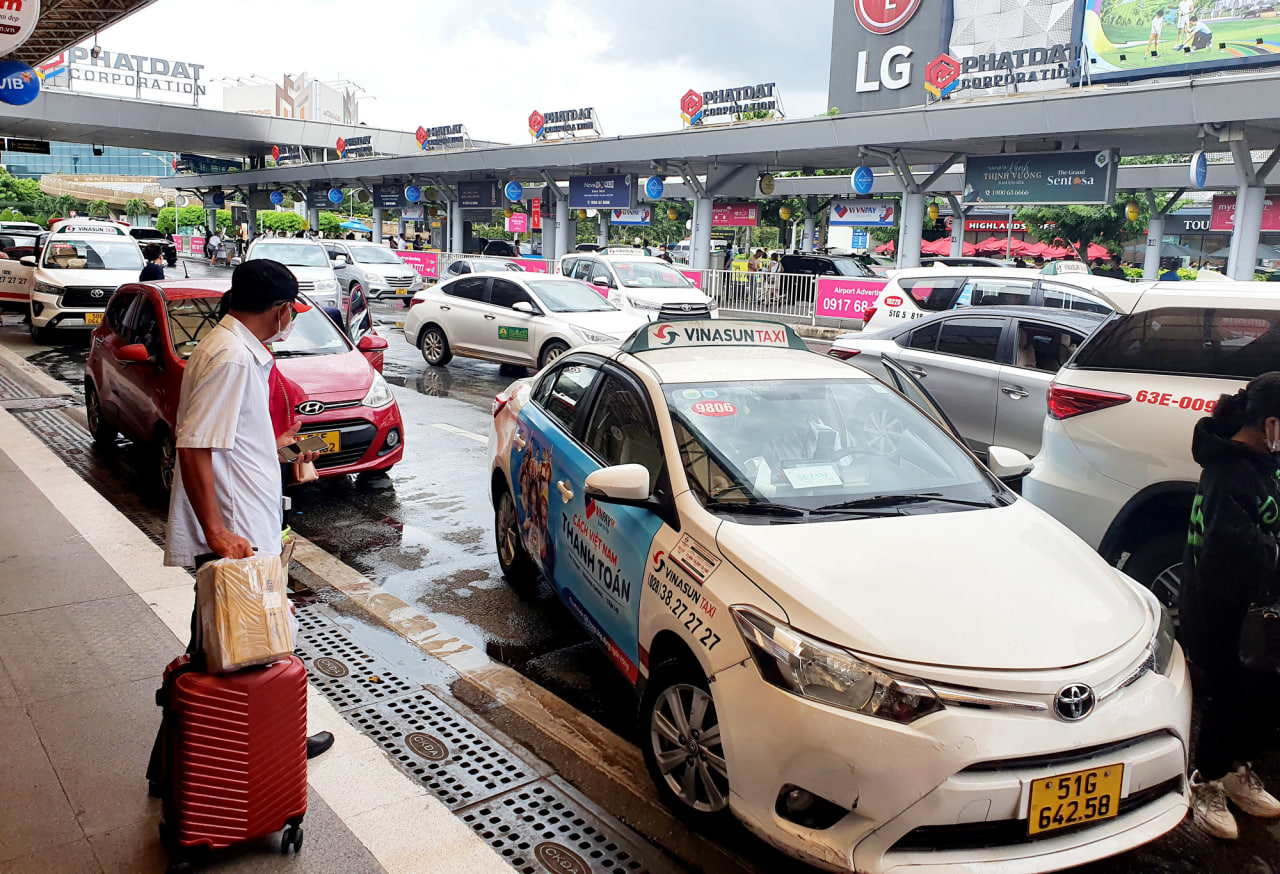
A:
[885,16]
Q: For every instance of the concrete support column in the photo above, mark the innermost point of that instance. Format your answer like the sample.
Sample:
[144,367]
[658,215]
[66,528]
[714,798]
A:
[1244,240]
[806,244]
[957,235]
[562,232]
[703,208]
[400,225]
[377,224]
[455,227]
[912,226]
[602,238]
[211,219]
[1155,243]
[253,223]
[313,218]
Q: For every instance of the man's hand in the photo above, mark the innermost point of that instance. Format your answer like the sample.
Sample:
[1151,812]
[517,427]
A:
[229,545]
[291,436]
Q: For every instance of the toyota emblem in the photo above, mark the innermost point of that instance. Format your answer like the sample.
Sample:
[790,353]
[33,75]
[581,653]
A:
[310,408]
[1074,702]
[688,308]
[97,293]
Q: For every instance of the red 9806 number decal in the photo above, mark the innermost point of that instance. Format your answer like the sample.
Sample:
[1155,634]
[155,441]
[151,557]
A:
[1166,399]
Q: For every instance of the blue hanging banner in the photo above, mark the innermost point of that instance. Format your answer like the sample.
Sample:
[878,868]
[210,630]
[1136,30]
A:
[335,195]
[514,192]
[412,193]
[654,187]
[19,83]
[863,180]
[277,198]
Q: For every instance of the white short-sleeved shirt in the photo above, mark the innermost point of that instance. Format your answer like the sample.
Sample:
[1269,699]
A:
[1157,25]
[225,407]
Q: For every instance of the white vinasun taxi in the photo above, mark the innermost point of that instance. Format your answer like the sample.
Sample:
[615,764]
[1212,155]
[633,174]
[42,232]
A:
[844,629]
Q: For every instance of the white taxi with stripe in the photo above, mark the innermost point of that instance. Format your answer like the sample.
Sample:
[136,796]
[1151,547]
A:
[843,629]
[69,282]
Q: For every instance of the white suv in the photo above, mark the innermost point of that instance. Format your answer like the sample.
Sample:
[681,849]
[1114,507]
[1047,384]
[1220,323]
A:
[649,287]
[307,261]
[916,292]
[1115,463]
[73,277]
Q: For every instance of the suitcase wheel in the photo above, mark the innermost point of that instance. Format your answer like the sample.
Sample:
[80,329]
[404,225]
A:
[291,837]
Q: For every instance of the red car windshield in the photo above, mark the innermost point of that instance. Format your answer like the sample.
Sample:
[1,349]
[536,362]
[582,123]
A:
[314,333]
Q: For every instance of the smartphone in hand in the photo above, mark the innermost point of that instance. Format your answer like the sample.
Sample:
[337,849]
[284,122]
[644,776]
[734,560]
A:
[310,443]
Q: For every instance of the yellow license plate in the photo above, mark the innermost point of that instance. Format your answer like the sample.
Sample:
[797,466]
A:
[93,318]
[1075,798]
[402,291]
[332,439]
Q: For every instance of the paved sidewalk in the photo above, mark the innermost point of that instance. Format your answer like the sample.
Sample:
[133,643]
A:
[88,620]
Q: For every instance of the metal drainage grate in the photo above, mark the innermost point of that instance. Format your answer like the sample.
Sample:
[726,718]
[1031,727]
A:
[541,828]
[309,620]
[455,760]
[345,672]
[63,436]
[11,389]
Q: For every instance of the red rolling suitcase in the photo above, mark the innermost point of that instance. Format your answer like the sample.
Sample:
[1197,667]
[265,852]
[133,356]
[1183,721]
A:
[235,756]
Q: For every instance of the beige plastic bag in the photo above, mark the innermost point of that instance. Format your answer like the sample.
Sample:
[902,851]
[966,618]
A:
[244,613]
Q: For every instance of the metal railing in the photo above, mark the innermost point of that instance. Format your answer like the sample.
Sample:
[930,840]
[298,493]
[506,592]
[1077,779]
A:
[775,294]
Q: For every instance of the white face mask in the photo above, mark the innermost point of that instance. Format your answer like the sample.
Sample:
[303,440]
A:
[283,333]
[1273,435]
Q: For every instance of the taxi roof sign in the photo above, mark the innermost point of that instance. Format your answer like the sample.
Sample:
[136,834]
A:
[82,226]
[713,334]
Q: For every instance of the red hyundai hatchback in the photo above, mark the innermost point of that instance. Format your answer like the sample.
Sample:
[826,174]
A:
[134,377]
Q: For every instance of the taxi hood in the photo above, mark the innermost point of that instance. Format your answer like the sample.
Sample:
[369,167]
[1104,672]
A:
[998,589]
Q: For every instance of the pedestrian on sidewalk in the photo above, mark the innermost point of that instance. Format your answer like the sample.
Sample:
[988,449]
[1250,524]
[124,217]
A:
[227,490]
[154,268]
[1232,561]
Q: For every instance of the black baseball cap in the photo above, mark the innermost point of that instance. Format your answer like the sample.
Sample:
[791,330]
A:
[258,285]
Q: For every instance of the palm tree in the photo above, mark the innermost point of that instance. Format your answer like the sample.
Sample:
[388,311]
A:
[136,207]
[64,203]
[99,209]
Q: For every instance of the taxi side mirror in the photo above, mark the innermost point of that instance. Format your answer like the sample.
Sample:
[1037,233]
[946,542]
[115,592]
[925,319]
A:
[1007,464]
[621,483]
[134,353]
[523,306]
[27,260]
[371,343]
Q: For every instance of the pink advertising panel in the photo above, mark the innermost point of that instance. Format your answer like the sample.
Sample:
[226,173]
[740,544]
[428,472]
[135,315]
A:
[847,298]
[735,215]
[426,263]
[1224,213]
[533,265]
[694,276]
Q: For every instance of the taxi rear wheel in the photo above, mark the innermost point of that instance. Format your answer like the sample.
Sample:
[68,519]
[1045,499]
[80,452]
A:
[516,565]
[683,750]
[435,346]
[102,431]
[166,459]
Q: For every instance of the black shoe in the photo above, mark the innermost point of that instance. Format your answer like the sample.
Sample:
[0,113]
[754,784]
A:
[318,743]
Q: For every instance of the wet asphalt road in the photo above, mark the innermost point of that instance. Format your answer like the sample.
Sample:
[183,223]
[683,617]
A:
[425,534]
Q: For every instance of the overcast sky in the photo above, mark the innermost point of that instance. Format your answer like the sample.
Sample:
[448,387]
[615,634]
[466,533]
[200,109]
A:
[488,65]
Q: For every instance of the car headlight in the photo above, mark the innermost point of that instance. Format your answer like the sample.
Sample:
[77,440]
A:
[643,304]
[379,394]
[713,304]
[593,337]
[46,288]
[812,669]
[327,286]
[1162,644]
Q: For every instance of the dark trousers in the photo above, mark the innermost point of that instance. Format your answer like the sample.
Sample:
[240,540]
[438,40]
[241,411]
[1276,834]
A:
[1238,720]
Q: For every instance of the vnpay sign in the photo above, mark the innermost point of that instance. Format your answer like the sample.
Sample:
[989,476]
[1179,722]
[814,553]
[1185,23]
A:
[864,213]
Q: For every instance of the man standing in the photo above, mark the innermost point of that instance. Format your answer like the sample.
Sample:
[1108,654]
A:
[1185,8]
[227,490]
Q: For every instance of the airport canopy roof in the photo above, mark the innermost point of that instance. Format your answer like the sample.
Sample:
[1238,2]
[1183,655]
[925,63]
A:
[65,23]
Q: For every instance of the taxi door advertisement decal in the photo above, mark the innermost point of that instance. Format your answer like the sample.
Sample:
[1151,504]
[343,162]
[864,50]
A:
[532,495]
[603,549]
[15,282]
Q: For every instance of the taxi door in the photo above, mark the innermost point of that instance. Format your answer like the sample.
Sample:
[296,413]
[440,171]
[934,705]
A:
[15,283]
[598,551]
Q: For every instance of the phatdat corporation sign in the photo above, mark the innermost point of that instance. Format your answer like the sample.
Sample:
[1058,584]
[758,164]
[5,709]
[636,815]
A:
[742,103]
[564,124]
[946,75]
[117,71]
[445,136]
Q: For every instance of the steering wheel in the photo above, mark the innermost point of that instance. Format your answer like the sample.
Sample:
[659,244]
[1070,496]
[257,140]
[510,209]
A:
[880,430]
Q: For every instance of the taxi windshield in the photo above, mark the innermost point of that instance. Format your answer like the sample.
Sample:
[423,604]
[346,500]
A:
[314,333]
[643,274]
[569,296]
[821,447]
[374,255]
[291,254]
[120,253]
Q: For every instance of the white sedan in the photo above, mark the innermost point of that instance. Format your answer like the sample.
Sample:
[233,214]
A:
[852,637]
[526,319]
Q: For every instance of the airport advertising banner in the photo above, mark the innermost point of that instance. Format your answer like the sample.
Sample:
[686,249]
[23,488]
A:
[601,192]
[1058,177]
[426,263]
[847,298]
[735,215]
[864,213]
[631,217]
[1143,38]
[1224,213]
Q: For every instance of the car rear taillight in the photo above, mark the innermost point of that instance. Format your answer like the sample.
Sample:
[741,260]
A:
[499,401]
[413,302]
[1064,402]
[842,354]
[868,314]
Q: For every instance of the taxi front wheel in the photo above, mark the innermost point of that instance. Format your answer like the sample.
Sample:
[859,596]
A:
[683,750]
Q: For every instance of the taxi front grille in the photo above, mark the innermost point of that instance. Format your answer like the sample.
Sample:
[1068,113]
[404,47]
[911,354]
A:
[676,311]
[1010,832]
[306,287]
[1070,757]
[400,281]
[90,298]
[355,438]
